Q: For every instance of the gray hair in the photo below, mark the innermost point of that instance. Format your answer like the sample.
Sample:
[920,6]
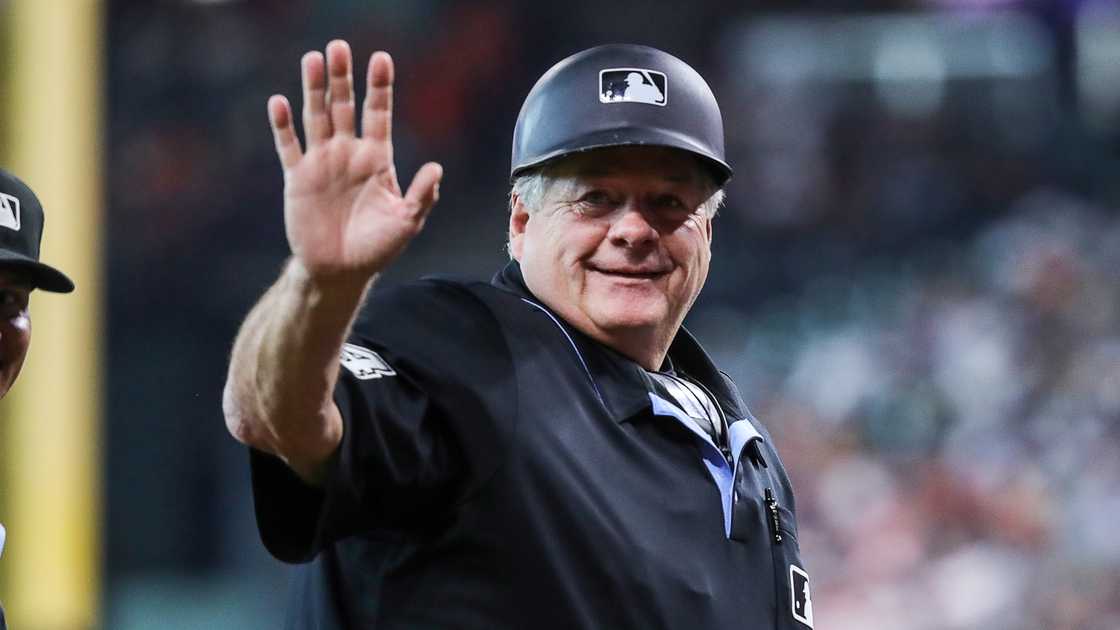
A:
[533,187]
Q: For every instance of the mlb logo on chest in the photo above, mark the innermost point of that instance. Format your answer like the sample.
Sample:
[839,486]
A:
[9,212]
[801,601]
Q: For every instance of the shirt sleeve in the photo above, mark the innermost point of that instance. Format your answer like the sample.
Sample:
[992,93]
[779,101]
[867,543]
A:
[426,395]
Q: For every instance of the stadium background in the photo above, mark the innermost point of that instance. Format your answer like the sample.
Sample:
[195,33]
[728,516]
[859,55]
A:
[916,281]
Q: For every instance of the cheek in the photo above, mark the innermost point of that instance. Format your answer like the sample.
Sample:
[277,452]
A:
[569,244]
[705,257]
[543,256]
[16,337]
[693,256]
[692,248]
[22,326]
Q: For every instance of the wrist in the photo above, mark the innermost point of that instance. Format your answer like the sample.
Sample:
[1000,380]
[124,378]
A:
[339,288]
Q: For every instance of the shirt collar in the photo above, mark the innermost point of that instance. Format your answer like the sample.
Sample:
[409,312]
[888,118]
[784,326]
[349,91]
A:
[624,385]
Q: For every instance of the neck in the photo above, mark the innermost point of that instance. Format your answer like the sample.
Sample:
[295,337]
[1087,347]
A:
[646,347]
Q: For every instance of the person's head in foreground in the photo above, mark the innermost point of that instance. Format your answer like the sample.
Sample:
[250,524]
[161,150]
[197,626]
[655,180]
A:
[21,231]
[614,193]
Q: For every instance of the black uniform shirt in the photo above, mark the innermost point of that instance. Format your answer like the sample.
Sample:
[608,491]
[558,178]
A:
[499,469]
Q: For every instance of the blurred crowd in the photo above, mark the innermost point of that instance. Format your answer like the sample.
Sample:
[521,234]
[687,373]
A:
[921,303]
[952,424]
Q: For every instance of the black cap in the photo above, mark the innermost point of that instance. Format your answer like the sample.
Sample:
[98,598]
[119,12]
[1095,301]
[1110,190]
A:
[21,231]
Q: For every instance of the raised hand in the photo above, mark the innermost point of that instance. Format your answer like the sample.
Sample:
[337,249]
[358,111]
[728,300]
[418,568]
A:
[344,213]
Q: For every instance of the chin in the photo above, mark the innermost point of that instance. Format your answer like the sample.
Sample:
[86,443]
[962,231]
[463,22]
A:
[632,317]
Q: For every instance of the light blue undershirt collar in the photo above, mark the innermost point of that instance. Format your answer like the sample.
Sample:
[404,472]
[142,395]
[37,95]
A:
[740,434]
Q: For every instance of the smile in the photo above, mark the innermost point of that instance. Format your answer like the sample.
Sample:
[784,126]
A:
[628,273]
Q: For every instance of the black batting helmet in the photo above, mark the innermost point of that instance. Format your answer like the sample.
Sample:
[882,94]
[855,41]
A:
[619,95]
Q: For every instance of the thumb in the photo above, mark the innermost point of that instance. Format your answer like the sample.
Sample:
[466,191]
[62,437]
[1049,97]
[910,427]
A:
[423,192]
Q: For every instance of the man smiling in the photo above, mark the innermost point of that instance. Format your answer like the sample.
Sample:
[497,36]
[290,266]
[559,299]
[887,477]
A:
[21,230]
[620,245]
[548,450]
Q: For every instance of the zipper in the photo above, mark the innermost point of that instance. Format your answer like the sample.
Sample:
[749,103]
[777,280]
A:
[775,522]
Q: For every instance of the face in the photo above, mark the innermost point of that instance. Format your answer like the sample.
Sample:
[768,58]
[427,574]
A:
[618,247]
[15,326]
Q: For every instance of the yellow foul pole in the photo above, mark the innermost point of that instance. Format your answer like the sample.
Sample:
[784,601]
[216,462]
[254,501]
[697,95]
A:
[50,113]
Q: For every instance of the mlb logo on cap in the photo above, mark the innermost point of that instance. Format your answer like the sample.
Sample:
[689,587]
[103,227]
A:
[9,211]
[633,85]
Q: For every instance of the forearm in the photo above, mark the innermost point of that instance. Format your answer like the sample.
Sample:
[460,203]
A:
[284,366]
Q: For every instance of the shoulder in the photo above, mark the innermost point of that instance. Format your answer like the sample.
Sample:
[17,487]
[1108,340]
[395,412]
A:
[439,305]
[440,325]
[439,295]
[430,304]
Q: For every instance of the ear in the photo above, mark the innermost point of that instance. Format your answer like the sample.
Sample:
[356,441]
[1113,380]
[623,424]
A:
[518,222]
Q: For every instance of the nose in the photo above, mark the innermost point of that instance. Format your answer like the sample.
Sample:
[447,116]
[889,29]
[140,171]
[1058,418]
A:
[631,228]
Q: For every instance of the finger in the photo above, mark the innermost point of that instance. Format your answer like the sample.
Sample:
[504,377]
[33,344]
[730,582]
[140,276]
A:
[316,123]
[283,132]
[340,87]
[377,111]
[423,192]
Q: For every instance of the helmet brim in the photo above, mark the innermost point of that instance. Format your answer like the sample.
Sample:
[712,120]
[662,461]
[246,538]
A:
[630,137]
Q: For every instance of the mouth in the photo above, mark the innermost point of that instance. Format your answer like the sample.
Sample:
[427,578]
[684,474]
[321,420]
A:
[631,273]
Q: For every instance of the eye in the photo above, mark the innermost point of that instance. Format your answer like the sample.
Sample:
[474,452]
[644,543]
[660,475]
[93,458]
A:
[669,202]
[596,198]
[596,202]
[672,207]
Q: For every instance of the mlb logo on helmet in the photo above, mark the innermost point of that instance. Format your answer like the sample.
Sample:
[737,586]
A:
[633,85]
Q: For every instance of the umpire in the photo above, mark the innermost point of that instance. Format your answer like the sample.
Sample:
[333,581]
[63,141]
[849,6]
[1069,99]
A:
[548,450]
[21,231]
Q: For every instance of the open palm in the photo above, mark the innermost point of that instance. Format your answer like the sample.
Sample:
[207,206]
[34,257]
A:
[344,212]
